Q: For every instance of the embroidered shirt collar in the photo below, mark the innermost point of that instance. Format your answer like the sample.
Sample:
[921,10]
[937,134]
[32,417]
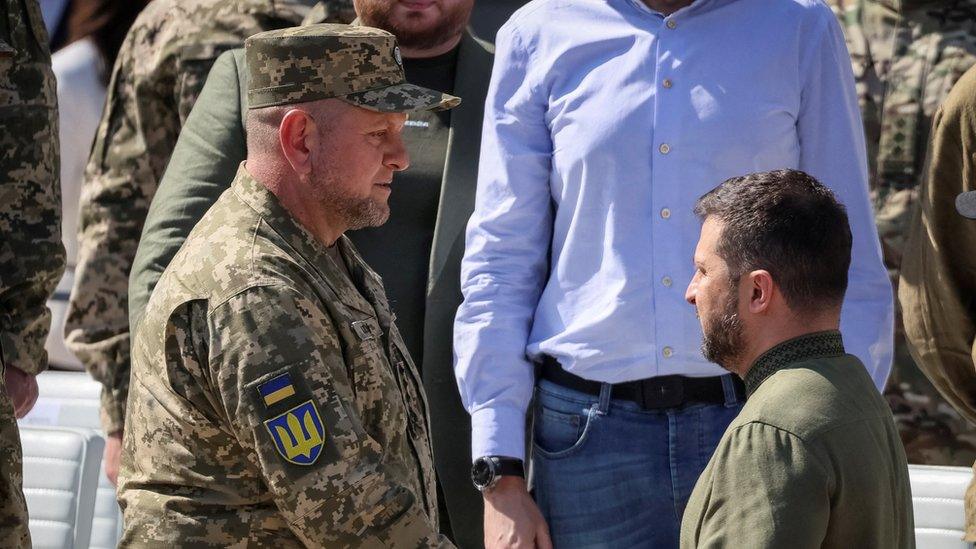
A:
[815,345]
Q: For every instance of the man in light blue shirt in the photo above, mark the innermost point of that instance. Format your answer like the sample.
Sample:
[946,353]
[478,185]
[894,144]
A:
[605,121]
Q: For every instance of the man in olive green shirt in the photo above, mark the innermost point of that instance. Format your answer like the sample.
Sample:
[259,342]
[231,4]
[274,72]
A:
[813,459]
[937,290]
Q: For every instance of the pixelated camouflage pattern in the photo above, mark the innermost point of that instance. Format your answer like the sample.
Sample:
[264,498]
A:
[252,295]
[332,11]
[158,75]
[906,56]
[358,64]
[31,253]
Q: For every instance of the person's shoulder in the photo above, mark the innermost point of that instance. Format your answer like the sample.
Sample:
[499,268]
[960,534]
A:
[537,15]
[218,257]
[961,100]
[813,397]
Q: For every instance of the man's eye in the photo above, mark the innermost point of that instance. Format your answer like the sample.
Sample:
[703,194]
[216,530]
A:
[380,134]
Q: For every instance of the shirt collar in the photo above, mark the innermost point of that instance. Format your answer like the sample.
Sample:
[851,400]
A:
[807,346]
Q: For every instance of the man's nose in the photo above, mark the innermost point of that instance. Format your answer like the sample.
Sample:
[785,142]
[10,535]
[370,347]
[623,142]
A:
[691,291]
[397,158]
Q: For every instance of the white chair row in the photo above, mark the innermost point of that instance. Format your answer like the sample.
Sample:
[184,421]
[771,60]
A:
[69,401]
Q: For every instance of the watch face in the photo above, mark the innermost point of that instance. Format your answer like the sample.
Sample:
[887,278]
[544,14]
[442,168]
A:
[481,473]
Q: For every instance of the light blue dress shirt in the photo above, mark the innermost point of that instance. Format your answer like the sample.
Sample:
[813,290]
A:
[605,122]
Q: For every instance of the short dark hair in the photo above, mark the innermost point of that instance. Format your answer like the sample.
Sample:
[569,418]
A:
[788,223]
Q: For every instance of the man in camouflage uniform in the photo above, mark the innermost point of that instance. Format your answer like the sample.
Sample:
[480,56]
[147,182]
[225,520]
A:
[272,400]
[31,252]
[158,75]
[907,54]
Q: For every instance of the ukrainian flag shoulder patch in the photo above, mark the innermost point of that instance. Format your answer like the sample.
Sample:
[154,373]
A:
[276,390]
[298,434]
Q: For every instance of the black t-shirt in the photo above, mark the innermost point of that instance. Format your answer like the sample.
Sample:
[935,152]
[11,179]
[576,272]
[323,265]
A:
[400,250]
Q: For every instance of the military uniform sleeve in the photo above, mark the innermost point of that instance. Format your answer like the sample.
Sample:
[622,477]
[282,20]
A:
[31,252]
[208,152]
[938,280]
[150,93]
[287,390]
[766,489]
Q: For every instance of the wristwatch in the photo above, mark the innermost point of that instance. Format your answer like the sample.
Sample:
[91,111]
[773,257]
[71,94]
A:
[486,470]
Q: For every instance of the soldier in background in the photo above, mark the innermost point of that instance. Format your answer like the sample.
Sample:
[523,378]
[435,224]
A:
[907,54]
[937,289]
[31,252]
[157,77]
[273,401]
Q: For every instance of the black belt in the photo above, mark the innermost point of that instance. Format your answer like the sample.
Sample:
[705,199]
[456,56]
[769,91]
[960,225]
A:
[652,393]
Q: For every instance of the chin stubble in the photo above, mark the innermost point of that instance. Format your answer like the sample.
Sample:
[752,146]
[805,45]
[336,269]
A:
[722,342]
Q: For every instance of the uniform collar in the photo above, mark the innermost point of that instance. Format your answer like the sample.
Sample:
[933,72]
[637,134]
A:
[815,345]
[315,253]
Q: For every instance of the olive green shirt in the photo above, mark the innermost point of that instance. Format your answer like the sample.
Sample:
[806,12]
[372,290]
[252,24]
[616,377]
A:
[937,290]
[813,459]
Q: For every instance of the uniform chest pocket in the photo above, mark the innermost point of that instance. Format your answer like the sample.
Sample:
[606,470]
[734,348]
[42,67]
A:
[375,383]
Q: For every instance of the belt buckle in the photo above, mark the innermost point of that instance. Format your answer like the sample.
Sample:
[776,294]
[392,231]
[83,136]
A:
[661,392]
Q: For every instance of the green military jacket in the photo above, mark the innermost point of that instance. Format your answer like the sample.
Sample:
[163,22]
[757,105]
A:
[271,401]
[812,460]
[937,290]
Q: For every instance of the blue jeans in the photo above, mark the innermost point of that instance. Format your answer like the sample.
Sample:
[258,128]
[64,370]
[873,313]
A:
[607,474]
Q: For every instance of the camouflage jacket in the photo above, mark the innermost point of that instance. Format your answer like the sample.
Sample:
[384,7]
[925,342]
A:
[159,73]
[31,252]
[272,402]
[907,54]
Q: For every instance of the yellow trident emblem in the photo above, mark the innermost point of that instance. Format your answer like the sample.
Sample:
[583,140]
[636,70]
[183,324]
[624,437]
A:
[299,441]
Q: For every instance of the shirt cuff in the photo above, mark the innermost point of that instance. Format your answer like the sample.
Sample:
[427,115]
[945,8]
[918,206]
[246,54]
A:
[498,432]
[112,410]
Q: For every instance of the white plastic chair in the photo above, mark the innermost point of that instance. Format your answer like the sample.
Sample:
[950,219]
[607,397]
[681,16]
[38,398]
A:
[937,499]
[61,468]
[71,399]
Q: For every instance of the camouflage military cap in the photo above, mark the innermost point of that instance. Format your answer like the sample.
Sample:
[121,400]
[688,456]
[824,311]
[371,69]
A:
[360,65]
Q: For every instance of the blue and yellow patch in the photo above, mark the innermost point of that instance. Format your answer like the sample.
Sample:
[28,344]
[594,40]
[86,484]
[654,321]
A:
[276,390]
[298,434]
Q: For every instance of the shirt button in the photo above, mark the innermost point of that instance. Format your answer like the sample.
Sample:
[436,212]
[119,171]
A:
[666,213]
[666,281]
[668,352]
[667,83]
[664,148]
[672,24]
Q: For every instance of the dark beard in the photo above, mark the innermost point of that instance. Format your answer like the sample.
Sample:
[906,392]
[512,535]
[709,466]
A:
[723,342]
[375,13]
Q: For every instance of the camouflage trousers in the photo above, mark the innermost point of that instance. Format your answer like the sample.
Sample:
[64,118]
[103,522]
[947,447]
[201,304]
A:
[931,430]
[13,508]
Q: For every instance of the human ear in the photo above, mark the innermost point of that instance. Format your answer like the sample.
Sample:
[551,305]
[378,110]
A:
[295,134]
[760,287]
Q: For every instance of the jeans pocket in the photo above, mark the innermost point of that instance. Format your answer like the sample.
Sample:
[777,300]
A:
[560,434]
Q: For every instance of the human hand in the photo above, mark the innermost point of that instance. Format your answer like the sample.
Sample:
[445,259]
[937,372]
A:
[22,390]
[512,519]
[112,456]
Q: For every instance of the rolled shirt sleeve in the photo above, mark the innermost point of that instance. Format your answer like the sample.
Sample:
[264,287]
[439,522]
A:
[832,149]
[506,257]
